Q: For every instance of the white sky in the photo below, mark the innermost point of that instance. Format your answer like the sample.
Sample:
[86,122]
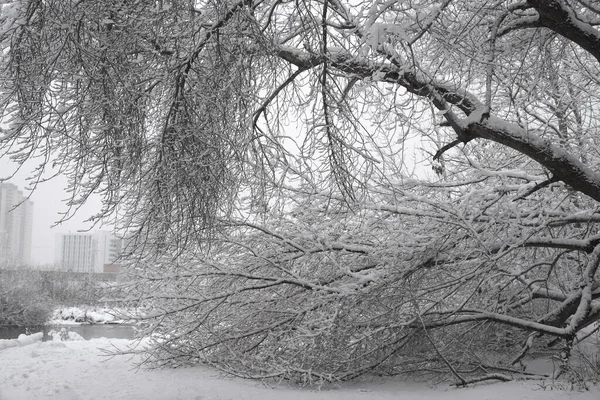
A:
[48,202]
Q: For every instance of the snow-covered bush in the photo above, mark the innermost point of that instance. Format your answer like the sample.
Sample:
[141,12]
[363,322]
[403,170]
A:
[64,335]
[88,315]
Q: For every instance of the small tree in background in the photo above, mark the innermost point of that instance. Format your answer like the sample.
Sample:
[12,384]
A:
[22,302]
[28,297]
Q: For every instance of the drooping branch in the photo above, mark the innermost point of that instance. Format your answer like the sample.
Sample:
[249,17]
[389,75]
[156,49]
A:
[585,245]
[528,22]
[557,16]
[537,187]
[445,148]
[588,286]
[563,165]
[482,315]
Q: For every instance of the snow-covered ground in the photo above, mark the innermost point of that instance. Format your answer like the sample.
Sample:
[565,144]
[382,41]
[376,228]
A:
[77,370]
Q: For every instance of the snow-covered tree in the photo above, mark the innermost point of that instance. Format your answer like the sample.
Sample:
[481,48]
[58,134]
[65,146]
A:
[271,164]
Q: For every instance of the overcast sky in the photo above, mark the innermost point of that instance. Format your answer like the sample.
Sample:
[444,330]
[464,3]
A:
[48,202]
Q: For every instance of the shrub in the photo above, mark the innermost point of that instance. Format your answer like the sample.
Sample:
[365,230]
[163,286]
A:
[22,302]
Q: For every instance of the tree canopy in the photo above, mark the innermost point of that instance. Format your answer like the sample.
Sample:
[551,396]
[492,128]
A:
[316,190]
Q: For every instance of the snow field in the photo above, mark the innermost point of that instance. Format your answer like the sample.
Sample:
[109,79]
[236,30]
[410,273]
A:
[80,370]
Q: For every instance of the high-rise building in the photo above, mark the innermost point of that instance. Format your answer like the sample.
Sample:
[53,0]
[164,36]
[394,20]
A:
[16,223]
[87,252]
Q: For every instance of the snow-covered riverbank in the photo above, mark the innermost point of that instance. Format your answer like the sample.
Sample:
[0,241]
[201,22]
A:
[78,370]
[88,315]
[70,368]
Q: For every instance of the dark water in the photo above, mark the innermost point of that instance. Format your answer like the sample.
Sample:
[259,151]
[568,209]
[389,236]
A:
[87,331]
[13,332]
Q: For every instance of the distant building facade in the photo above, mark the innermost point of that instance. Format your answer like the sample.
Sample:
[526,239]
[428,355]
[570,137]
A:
[86,252]
[16,224]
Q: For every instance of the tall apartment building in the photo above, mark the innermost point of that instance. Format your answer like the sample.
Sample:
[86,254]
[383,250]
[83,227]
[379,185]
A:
[16,223]
[87,252]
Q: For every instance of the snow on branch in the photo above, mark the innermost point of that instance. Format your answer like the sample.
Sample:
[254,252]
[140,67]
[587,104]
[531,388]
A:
[562,19]
[562,164]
